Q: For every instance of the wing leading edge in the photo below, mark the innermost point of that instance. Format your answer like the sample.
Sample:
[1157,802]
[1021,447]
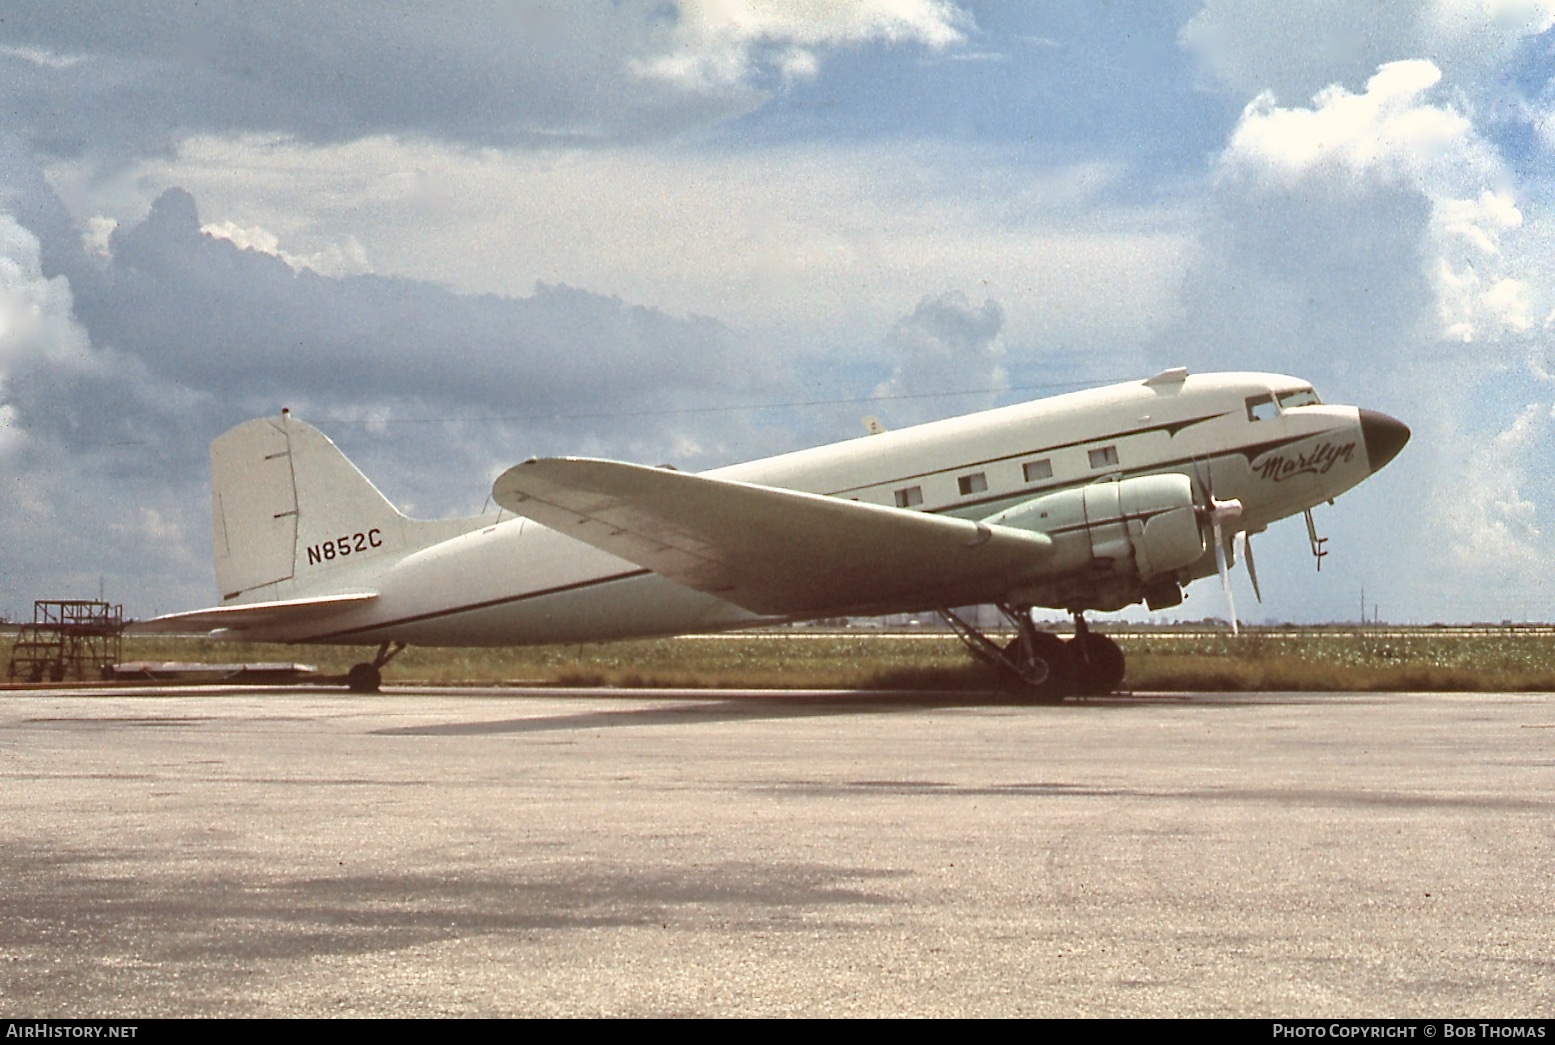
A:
[768,550]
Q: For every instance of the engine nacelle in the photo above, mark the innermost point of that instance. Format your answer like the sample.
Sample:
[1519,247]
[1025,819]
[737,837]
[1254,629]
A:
[1114,539]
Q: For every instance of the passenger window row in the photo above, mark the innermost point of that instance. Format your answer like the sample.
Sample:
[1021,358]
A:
[1034,471]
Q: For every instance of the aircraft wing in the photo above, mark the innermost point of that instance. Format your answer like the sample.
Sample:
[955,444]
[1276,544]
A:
[252,615]
[768,550]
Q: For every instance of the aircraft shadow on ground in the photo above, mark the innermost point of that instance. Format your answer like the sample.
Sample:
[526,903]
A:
[779,705]
[178,923]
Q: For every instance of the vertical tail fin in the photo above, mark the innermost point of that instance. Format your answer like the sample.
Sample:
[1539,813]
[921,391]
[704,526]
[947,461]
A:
[291,516]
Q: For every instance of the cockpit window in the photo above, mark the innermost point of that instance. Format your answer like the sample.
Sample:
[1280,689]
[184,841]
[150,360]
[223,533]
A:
[1300,397]
[1262,408]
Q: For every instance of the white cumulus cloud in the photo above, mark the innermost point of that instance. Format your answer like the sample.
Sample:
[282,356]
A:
[1495,518]
[719,44]
[946,344]
[1296,49]
[1394,138]
[348,259]
[36,321]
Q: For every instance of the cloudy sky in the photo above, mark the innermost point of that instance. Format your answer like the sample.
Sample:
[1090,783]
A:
[458,235]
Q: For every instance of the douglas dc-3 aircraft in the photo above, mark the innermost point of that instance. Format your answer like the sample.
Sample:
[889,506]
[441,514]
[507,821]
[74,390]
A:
[1093,500]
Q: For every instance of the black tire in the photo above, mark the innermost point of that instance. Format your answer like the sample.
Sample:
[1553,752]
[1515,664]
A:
[1050,673]
[363,678]
[1098,664]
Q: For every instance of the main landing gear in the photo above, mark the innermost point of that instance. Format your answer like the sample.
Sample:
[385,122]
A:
[1041,663]
[365,677]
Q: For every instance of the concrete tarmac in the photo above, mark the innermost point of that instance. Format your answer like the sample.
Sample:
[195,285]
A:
[489,853]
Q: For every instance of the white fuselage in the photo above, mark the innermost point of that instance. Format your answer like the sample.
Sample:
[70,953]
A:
[511,581]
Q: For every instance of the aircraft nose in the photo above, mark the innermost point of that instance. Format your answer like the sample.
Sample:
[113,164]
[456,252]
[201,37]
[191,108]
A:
[1385,437]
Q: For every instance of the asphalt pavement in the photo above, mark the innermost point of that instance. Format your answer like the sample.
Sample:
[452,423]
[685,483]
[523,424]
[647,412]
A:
[487,853]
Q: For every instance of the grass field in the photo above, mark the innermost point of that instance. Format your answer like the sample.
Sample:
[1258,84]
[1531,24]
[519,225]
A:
[1314,660]
[1498,661]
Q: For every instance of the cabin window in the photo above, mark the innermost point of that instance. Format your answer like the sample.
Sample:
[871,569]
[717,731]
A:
[1037,470]
[1300,397]
[977,482]
[1104,457]
[1262,408]
[909,497]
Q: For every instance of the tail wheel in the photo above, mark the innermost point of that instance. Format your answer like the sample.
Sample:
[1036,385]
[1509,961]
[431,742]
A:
[368,676]
[363,678]
[1098,663]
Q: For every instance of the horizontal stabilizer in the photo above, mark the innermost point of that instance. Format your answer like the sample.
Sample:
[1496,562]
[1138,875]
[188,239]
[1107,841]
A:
[769,550]
[268,615]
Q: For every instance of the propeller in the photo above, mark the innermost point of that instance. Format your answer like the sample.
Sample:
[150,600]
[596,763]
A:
[1218,513]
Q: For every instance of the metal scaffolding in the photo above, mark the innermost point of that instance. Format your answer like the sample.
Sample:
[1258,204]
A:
[68,639]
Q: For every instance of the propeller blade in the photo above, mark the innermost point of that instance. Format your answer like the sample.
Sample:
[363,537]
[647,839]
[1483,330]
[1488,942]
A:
[1245,539]
[1225,574]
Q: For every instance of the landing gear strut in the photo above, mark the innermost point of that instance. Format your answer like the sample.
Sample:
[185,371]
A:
[365,677]
[1044,665]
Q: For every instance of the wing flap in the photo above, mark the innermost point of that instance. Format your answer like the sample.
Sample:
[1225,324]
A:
[769,550]
[281,613]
